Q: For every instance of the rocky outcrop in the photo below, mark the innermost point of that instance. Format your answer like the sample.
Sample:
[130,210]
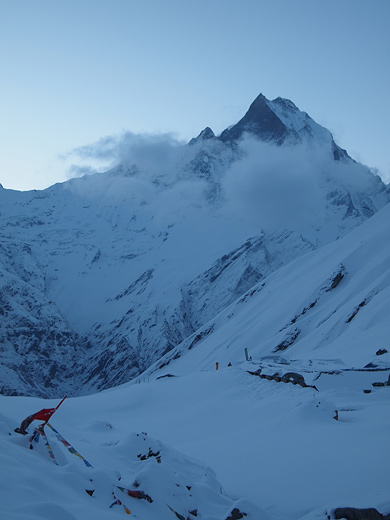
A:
[38,348]
[261,121]
[351,513]
[289,377]
[236,514]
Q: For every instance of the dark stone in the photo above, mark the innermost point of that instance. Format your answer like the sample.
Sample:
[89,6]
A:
[371,365]
[292,377]
[255,373]
[381,351]
[351,513]
[356,310]
[336,279]
[150,454]
[236,514]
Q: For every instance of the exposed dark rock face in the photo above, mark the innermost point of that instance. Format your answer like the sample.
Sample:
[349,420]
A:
[293,377]
[236,514]
[351,513]
[289,377]
[260,121]
[288,341]
[38,348]
[336,279]
[205,134]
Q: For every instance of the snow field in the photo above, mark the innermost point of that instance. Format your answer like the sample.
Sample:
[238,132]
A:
[273,445]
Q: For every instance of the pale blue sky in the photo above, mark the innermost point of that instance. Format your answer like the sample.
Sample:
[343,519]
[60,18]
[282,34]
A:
[74,71]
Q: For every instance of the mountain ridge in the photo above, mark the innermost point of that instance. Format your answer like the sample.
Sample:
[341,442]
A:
[278,121]
[130,263]
[338,322]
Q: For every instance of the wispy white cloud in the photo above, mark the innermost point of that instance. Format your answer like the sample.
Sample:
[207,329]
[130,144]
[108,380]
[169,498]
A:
[154,154]
[268,186]
[275,186]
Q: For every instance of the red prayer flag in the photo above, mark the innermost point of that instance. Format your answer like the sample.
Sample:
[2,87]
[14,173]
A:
[44,415]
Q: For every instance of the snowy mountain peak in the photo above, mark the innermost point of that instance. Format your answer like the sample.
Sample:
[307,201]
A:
[207,133]
[240,286]
[292,117]
[280,121]
[103,275]
[259,120]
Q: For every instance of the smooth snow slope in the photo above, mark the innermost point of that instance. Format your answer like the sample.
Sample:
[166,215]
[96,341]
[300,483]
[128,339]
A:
[275,445]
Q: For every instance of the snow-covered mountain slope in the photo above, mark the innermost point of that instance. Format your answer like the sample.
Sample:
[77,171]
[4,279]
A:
[280,121]
[38,347]
[258,243]
[218,444]
[326,310]
[126,265]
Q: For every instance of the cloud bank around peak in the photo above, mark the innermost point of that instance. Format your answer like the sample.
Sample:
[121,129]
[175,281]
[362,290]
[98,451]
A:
[267,187]
[151,153]
[275,186]
[290,186]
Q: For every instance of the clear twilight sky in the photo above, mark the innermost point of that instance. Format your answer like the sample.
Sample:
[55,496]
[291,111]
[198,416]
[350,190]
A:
[76,71]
